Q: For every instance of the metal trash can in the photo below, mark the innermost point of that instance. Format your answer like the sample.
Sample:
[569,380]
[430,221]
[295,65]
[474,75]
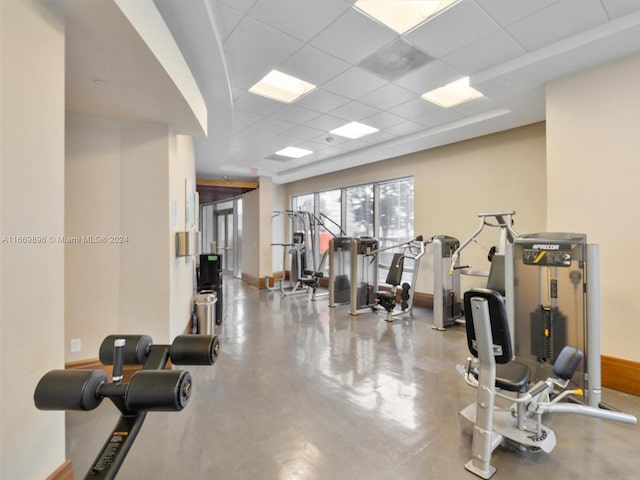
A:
[205,302]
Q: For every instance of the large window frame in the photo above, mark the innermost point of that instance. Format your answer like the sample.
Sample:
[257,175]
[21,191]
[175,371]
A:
[374,215]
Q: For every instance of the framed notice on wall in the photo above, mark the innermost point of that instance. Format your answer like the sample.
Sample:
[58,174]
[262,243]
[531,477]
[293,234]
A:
[190,205]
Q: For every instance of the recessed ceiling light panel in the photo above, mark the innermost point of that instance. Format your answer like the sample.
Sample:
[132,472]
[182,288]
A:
[281,87]
[401,15]
[452,94]
[293,152]
[354,130]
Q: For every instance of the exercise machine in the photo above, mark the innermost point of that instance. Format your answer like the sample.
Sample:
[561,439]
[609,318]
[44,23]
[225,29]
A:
[305,270]
[412,250]
[446,282]
[353,273]
[493,371]
[449,290]
[150,389]
[554,297]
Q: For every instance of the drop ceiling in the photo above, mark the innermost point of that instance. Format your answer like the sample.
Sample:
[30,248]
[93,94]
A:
[510,49]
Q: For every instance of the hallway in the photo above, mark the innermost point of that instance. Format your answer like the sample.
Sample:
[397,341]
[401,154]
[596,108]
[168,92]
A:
[304,391]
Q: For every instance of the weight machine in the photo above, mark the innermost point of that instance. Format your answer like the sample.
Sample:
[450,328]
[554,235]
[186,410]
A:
[412,250]
[446,312]
[305,270]
[351,262]
[494,371]
[150,389]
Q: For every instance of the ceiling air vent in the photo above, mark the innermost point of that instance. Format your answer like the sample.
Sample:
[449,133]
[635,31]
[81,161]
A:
[395,60]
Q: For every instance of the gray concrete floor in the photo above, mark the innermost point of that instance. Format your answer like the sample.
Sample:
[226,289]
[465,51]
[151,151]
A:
[302,391]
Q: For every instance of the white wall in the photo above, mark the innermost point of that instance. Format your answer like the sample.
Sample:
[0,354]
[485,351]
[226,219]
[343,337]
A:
[32,442]
[453,183]
[122,180]
[144,219]
[181,167]
[592,177]
[92,205]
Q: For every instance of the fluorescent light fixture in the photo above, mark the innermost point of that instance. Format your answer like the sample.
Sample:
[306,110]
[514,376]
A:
[293,152]
[401,15]
[354,130]
[281,87]
[453,93]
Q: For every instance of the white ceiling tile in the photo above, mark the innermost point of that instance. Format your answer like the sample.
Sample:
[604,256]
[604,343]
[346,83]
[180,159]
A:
[242,5]
[354,83]
[303,132]
[275,125]
[300,19]
[414,108]
[354,111]
[494,49]
[326,122]
[618,8]
[243,74]
[353,37]
[387,96]
[257,104]
[557,22]
[321,101]
[244,118]
[259,45]
[433,75]
[295,113]
[313,65]
[454,28]
[505,12]
[226,18]
[384,120]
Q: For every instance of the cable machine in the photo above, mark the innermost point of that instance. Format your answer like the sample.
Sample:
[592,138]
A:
[448,290]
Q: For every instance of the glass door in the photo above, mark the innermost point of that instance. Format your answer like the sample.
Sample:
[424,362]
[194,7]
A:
[225,237]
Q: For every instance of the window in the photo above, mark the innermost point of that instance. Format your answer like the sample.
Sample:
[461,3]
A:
[359,211]
[382,210]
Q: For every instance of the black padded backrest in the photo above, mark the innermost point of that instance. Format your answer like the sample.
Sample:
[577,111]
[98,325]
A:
[499,323]
[496,274]
[394,277]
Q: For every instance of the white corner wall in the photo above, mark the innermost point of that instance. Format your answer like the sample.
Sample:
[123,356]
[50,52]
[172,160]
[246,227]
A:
[125,180]
[92,205]
[32,442]
[593,171]
[182,269]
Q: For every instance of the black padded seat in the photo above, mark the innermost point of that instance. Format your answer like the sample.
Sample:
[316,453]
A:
[386,294]
[512,377]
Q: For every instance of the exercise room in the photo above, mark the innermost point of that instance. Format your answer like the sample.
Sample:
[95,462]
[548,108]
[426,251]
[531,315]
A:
[319,239]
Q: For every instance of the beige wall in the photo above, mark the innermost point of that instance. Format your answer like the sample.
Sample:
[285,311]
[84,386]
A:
[181,167]
[92,205]
[32,442]
[592,177]
[127,179]
[453,183]
[251,234]
[257,208]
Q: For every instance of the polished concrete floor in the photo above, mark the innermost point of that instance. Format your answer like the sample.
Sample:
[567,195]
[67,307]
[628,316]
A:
[304,391]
